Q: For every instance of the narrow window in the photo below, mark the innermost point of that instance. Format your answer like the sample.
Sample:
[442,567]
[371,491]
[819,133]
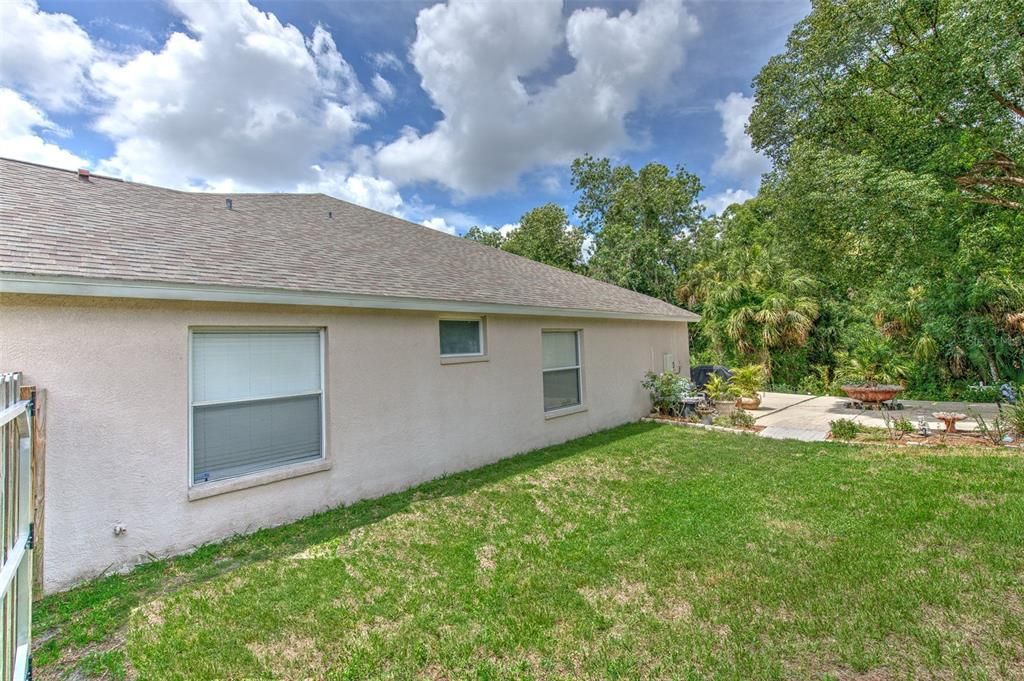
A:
[562,378]
[256,402]
[461,337]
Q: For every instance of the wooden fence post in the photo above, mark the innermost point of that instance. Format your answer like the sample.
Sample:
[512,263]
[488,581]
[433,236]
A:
[38,482]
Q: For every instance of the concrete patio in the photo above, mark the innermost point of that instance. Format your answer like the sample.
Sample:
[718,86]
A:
[806,417]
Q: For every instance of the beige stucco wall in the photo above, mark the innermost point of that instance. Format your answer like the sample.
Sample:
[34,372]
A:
[116,377]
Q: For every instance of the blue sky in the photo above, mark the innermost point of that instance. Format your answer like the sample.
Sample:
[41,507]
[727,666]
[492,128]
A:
[449,114]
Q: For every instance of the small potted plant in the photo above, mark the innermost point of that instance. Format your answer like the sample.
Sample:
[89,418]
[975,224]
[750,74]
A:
[748,382]
[720,391]
[706,413]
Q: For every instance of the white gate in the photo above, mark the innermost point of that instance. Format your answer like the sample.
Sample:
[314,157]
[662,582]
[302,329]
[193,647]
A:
[16,527]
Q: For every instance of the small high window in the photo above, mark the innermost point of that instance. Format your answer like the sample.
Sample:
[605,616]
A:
[563,385]
[462,337]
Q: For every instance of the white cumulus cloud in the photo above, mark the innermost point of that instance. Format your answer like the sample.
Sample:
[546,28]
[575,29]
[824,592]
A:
[717,203]
[474,60]
[351,184]
[21,127]
[240,97]
[739,160]
[44,56]
[440,224]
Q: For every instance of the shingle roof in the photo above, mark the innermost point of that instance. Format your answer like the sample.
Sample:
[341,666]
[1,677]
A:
[53,224]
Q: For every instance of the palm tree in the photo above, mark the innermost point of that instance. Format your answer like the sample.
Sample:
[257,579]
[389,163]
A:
[757,305]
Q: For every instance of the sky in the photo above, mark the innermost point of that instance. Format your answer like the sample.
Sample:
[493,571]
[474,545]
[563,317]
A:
[449,114]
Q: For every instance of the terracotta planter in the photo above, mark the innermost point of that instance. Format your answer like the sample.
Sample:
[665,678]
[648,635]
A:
[873,394]
[749,402]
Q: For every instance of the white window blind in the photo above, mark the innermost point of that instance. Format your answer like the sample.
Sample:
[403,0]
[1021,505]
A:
[562,378]
[257,401]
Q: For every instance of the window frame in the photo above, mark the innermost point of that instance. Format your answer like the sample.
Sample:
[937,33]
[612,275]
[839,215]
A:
[466,356]
[270,473]
[578,367]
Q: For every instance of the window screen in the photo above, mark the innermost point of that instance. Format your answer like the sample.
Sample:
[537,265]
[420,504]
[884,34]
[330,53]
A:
[461,337]
[562,385]
[257,401]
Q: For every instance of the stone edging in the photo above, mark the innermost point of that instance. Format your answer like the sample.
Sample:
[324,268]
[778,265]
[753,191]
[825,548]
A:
[702,426]
[898,444]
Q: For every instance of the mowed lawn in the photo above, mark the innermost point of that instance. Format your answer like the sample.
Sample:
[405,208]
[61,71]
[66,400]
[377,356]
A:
[641,552]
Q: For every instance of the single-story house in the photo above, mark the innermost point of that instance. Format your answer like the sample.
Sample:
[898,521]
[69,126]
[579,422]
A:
[214,364]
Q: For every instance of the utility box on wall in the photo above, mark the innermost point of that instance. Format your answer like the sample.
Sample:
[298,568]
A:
[669,361]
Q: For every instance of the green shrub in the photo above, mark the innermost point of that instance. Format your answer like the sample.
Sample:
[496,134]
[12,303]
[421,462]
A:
[819,382]
[667,391]
[844,429]
[994,432]
[903,425]
[737,419]
[741,419]
[719,389]
[749,380]
[1014,416]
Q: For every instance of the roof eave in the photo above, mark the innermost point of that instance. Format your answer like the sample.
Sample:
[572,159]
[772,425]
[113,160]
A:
[11,282]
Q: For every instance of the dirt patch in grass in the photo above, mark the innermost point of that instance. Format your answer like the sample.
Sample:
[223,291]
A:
[793,528]
[981,500]
[485,557]
[291,657]
[103,660]
[621,594]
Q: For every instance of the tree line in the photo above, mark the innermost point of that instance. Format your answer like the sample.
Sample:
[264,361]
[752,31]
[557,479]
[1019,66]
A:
[887,242]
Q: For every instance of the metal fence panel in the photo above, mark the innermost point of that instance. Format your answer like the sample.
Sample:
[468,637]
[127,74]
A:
[15,529]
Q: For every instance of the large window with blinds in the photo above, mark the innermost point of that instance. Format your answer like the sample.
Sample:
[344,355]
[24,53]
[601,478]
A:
[563,380]
[257,400]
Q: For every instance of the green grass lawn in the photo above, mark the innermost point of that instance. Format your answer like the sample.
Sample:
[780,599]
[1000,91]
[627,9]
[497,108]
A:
[644,551]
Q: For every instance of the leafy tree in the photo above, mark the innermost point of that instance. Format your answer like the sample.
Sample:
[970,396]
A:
[487,237]
[545,235]
[640,222]
[932,86]
[897,136]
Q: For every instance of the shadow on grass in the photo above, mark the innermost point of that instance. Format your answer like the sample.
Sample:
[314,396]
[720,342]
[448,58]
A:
[91,614]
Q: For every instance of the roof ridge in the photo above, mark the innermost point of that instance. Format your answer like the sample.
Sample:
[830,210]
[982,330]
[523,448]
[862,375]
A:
[59,226]
[503,253]
[59,169]
[148,185]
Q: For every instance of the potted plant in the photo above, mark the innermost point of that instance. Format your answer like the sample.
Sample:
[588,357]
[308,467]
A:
[873,373]
[706,413]
[748,381]
[720,391]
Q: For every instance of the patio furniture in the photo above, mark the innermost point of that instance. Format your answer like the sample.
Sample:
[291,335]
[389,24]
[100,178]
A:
[701,373]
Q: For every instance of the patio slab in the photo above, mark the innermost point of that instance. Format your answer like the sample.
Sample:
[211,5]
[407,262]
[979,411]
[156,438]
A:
[782,412]
[786,433]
